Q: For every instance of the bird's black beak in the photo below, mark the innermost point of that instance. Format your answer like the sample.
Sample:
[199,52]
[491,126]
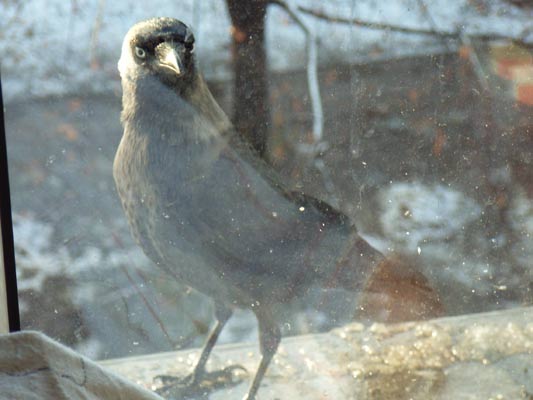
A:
[169,58]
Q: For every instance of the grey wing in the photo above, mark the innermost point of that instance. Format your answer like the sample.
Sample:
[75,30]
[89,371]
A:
[248,219]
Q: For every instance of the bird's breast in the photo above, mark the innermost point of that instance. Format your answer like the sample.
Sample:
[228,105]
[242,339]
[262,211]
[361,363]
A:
[152,180]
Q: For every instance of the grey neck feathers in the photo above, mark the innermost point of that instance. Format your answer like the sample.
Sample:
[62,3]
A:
[146,100]
[201,98]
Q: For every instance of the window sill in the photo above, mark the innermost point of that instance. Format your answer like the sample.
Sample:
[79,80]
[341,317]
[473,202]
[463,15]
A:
[478,356]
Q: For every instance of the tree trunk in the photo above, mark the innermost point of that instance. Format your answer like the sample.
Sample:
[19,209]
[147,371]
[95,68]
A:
[250,105]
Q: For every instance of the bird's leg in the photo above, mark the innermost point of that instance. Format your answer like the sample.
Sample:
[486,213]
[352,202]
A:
[269,338]
[199,376]
[222,315]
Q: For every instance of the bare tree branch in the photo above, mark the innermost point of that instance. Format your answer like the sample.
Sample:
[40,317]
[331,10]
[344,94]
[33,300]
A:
[96,33]
[476,64]
[319,146]
[7,22]
[434,27]
[419,31]
[312,74]
[465,41]
[197,19]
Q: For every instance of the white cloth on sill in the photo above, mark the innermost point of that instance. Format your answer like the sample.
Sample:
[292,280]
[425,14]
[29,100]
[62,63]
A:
[33,366]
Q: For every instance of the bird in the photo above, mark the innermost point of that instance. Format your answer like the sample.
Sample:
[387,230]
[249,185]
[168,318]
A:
[207,210]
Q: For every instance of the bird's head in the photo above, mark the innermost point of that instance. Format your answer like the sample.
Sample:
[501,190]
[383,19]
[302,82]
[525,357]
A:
[162,47]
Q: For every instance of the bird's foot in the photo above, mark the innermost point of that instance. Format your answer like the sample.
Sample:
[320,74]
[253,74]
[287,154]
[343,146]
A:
[199,385]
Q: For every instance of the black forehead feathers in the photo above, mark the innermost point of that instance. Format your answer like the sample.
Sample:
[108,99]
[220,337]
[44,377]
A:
[151,32]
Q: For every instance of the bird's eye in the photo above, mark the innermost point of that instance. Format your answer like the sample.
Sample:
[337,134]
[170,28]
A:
[190,47]
[139,52]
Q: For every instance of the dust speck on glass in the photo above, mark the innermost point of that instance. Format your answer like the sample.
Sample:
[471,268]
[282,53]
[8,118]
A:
[341,189]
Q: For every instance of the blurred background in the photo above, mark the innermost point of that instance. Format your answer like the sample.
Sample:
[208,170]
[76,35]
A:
[427,143]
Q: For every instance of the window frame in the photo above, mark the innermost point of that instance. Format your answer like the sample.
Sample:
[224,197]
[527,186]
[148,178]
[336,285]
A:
[9,307]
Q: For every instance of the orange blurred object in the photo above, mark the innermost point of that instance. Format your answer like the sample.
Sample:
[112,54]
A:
[514,63]
[398,292]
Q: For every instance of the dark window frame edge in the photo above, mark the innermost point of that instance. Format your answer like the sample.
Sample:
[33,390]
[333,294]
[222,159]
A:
[6,221]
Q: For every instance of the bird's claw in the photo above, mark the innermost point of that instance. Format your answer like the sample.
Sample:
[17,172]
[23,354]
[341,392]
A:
[198,385]
[168,380]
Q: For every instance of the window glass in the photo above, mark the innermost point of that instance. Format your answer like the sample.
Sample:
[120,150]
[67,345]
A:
[376,169]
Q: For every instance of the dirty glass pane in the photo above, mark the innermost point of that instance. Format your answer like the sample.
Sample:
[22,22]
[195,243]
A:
[376,170]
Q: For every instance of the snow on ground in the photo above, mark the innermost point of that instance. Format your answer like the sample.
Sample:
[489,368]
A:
[521,218]
[415,214]
[34,261]
[39,258]
[52,47]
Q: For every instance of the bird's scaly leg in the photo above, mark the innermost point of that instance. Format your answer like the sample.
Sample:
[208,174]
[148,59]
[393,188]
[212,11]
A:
[197,378]
[269,338]
[222,315]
